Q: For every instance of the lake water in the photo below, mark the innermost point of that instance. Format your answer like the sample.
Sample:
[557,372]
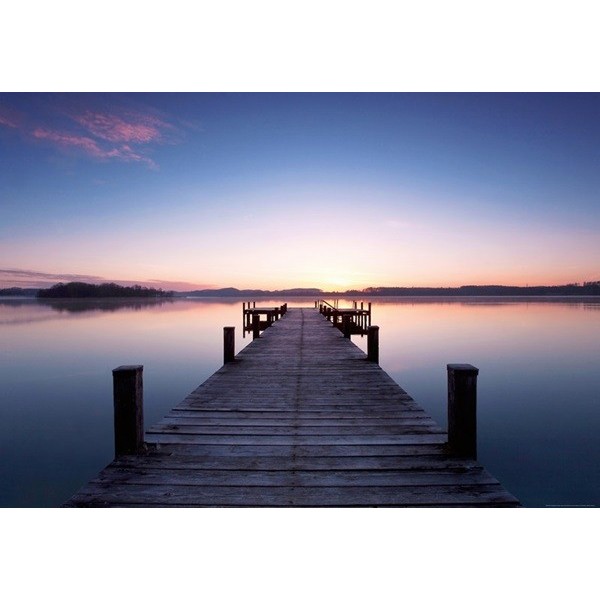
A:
[538,388]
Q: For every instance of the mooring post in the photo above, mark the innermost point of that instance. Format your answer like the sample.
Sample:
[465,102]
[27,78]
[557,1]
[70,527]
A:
[373,343]
[462,410]
[128,397]
[228,344]
[346,326]
[255,326]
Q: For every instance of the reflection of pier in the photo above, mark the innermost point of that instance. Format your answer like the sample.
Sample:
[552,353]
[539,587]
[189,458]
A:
[300,417]
[350,321]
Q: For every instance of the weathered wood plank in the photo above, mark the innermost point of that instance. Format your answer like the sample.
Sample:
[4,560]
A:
[99,494]
[295,430]
[293,478]
[316,450]
[298,440]
[404,462]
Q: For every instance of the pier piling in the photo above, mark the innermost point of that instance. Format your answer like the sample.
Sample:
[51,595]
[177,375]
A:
[228,344]
[128,396]
[373,343]
[462,409]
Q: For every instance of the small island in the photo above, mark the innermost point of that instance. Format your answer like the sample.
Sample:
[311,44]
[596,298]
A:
[77,289]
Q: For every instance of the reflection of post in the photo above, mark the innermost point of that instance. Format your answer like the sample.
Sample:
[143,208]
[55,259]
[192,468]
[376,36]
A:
[228,344]
[373,343]
[255,326]
[128,397]
[462,409]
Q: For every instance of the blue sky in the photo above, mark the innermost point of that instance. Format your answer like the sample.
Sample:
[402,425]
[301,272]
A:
[283,190]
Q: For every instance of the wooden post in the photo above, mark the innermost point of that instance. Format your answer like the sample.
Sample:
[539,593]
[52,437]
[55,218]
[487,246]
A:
[255,326]
[228,344]
[346,322]
[128,397]
[373,343]
[462,410]
[276,313]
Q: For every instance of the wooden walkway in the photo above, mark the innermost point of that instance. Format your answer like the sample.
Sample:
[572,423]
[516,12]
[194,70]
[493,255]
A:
[299,419]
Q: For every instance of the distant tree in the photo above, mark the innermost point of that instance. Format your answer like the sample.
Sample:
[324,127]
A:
[78,289]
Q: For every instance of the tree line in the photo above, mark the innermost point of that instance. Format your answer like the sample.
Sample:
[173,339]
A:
[77,289]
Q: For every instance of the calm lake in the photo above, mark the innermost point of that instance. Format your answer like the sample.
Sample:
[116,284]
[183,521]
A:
[538,388]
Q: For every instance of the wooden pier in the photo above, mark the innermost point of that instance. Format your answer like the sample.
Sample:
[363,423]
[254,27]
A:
[299,417]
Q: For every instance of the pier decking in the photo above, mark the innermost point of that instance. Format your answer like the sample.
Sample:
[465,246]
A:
[300,418]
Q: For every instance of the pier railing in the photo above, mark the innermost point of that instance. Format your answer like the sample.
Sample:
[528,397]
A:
[252,317]
[350,321]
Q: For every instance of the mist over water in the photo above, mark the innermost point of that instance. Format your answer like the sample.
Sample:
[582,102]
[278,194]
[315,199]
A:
[538,389]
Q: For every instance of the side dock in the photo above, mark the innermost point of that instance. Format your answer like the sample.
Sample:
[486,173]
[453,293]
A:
[300,417]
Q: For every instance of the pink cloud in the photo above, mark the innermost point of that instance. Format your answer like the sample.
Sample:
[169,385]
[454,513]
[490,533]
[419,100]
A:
[91,147]
[125,136]
[140,129]
[66,139]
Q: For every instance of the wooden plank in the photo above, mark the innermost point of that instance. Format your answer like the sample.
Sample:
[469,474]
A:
[415,462]
[266,418]
[298,440]
[215,477]
[283,450]
[295,430]
[99,494]
[292,421]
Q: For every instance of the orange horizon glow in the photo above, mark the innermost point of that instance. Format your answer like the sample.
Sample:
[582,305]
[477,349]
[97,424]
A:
[335,284]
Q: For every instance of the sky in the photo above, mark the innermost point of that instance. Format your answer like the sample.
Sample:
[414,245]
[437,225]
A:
[273,191]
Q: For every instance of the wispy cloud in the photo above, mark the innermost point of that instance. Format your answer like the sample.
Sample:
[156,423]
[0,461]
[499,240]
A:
[8,117]
[138,128]
[91,147]
[120,135]
[35,279]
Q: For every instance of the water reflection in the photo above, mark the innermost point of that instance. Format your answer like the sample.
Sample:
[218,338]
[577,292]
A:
[539,383]
[105,304]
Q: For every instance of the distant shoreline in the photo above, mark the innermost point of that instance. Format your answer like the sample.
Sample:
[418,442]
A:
[78,290]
